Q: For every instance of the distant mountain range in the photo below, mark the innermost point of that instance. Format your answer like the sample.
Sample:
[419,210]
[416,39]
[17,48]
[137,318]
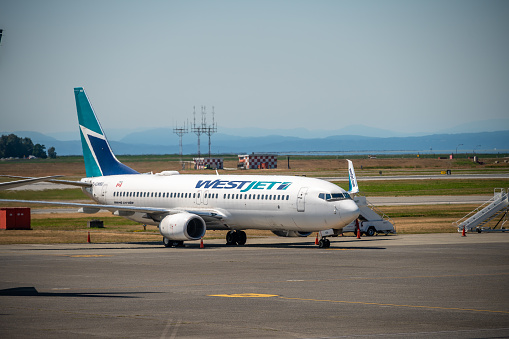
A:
[164,141]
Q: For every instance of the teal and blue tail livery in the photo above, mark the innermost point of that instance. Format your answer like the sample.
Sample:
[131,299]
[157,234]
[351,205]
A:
[353,187]
[99,159]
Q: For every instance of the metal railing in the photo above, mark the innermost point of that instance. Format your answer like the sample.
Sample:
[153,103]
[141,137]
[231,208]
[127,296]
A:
[485,212]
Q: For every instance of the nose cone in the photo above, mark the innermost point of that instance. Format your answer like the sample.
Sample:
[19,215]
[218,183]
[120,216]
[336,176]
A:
[349,211]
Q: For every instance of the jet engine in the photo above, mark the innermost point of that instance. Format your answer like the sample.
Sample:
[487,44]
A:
[286,233]
[182,226]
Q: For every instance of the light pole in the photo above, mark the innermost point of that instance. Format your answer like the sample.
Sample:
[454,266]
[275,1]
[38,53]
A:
[457,148]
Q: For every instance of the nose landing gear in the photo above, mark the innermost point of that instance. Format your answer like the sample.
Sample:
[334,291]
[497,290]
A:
[324,243]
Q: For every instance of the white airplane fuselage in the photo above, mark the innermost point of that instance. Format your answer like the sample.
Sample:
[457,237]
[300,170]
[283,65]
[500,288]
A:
[241,201]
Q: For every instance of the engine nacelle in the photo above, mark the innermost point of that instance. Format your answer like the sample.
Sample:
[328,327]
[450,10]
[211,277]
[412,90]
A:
[287,233]
[182,226]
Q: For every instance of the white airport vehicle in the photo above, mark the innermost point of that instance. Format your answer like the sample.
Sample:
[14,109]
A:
[185,206]
[371,221]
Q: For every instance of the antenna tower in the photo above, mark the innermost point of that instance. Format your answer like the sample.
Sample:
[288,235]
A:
[209,130]
[198,129]
[180,131]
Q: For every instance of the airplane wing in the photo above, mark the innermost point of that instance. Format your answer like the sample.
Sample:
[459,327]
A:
[25,181]
[125,211]
[31,180]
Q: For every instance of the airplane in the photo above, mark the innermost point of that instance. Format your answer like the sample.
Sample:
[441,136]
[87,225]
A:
[185,206]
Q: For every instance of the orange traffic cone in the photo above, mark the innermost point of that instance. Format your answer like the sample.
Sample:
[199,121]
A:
[316,240]
[358,233]
[201,243]
[88,238]
[463,233]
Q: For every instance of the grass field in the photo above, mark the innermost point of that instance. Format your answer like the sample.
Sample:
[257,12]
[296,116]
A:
[72,228]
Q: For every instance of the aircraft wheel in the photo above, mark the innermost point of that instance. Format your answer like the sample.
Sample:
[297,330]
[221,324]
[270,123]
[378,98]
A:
[321,243]
[370,232]
[231,238]
[166,242]
[241,238]
[177,243]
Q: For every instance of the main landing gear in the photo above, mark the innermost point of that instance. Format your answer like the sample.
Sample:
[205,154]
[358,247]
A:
[324,243]
[172,243]
[236,238]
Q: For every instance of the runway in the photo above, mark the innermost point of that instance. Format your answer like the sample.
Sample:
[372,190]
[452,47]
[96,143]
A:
[421,286]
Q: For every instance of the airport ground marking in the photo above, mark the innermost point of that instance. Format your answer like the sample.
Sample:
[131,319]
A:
[88,255]
[244,295]
[257,295]
[397,305]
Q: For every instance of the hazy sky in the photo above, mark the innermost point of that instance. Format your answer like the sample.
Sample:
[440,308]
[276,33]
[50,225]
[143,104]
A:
[413,66]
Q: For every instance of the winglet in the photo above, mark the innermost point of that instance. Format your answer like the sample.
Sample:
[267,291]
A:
[97,153]
[353,187]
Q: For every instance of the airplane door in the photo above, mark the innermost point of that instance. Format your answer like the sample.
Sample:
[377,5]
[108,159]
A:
[301,199]
[206,198]
[104,190]
[198,197]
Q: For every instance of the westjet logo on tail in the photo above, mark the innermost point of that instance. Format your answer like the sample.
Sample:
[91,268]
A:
[243,186]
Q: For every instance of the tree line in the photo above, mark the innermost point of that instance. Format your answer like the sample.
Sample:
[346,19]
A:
[13,146]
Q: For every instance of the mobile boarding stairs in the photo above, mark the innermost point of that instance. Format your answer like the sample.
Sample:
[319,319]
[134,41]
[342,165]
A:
[498,206]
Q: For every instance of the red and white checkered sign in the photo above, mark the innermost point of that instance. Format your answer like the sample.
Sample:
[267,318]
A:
[215,163]
[260,161]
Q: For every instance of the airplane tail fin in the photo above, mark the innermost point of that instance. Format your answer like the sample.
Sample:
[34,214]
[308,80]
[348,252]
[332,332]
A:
[99,158]
[353,187]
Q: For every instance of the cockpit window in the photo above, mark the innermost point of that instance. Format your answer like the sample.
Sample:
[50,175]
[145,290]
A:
[334,196]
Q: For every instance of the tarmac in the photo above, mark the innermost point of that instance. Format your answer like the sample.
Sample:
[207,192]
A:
[395,286]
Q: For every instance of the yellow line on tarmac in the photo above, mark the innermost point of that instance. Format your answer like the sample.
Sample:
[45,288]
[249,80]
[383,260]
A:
[256,295]
[88,255]
[396,305]
[244,295]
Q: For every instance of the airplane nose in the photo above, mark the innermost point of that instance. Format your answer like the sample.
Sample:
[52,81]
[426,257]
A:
[350,211]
